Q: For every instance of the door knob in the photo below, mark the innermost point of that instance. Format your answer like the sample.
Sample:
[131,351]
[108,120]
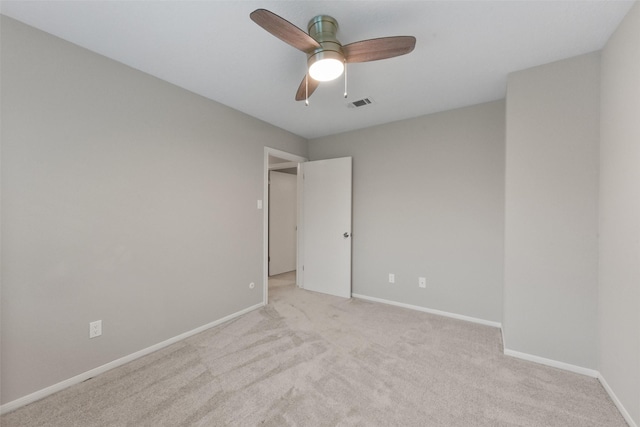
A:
[346,235]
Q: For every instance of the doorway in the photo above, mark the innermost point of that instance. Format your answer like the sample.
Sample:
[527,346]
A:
[283,219]
[282,163]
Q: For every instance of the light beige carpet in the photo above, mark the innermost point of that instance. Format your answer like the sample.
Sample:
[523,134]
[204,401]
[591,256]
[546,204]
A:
[309,359]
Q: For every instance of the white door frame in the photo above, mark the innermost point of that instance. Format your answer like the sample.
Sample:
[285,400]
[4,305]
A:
[265,227]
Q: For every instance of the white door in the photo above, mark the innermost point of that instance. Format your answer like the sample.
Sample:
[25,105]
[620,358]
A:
[282,222]
[327,226]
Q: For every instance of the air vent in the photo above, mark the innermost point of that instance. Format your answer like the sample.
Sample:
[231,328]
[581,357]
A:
[360,103]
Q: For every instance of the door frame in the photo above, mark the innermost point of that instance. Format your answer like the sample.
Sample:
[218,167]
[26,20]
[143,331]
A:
[265,208]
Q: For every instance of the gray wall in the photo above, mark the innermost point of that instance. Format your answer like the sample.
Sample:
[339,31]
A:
[125,199]
[551,222]
[428,201]
[619,291]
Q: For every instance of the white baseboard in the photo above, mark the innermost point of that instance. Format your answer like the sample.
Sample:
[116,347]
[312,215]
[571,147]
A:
[617,402]
[578,370]
[553,363]
[30,398]
[430,310]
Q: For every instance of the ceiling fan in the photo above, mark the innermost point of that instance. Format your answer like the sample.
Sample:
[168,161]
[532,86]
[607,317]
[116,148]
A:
[326,56]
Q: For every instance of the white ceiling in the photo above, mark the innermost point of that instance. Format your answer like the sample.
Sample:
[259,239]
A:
[464,50]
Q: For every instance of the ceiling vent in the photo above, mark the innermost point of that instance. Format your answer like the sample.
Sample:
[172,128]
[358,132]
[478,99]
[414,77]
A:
[360,103]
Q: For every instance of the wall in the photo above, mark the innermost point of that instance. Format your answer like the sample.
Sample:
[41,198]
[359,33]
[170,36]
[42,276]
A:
[551,222]
[619,290]
[125,199]
[428,201]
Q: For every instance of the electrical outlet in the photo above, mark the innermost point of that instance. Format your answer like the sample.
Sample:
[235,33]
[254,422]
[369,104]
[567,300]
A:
[422,282]
[95,329]
[392,278]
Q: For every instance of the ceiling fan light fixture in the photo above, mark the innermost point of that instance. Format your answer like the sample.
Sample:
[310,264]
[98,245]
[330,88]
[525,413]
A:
[326,57]
[326,65]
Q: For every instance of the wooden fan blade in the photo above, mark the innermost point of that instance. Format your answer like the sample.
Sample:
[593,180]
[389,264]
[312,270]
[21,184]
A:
[302,94]
[375,49]
[284,30]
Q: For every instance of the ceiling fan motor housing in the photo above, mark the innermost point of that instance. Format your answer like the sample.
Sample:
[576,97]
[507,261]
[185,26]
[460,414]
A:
[323,29]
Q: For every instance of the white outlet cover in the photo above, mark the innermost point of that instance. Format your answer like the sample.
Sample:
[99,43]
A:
[422,282]
[95,329]
[392,278]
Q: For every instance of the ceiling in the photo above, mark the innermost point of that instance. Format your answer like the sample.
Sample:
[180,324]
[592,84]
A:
[464,50]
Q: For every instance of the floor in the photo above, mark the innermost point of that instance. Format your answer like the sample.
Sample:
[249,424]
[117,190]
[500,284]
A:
[282,280]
